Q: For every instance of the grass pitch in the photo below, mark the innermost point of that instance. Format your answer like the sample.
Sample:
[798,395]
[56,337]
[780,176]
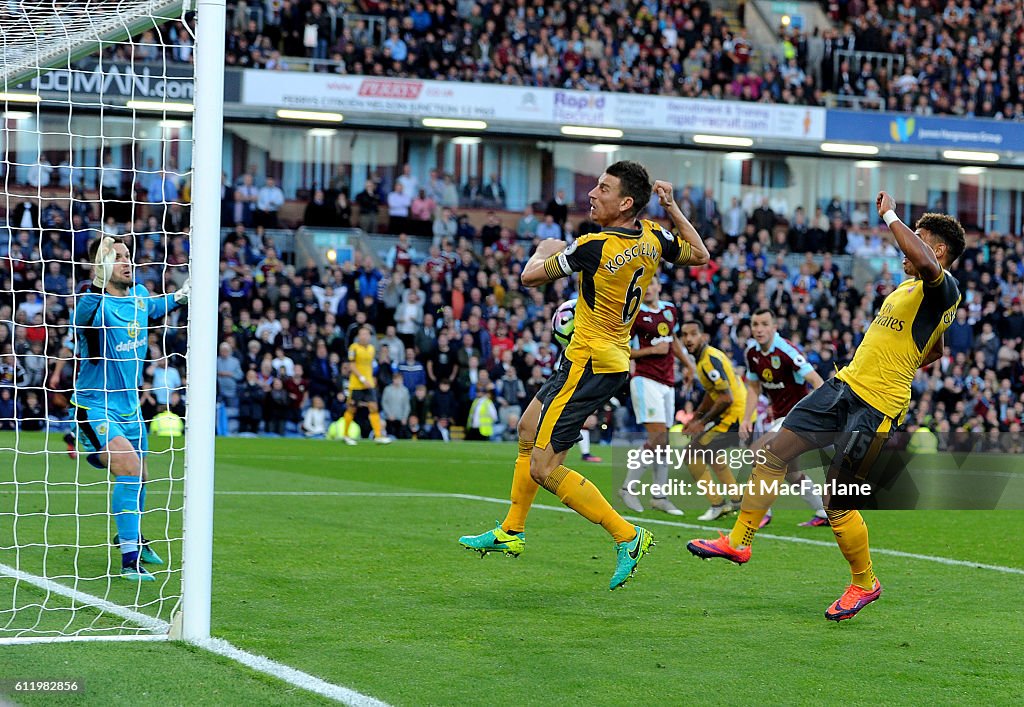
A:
[343,562]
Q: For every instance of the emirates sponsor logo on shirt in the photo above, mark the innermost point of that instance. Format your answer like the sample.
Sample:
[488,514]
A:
[391,88]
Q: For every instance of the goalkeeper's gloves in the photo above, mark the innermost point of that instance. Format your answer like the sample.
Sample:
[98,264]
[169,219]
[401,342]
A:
[182,294]
[104,263]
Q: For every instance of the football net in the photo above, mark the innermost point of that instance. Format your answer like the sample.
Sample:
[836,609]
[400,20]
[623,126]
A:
[94,142]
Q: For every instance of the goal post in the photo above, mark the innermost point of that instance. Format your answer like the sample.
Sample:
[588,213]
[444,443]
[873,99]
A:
[205,258]
[75,164]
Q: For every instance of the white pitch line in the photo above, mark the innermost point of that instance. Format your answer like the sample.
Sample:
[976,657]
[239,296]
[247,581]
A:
[218,646]
[290,675]
[147,622]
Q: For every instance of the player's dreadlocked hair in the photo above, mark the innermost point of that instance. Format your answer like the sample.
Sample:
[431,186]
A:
[948,229]
[633,181]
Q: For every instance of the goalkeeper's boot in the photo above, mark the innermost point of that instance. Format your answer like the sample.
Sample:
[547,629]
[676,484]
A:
[816,521]
[628,556]
[720,547]
[133,571]
[853,600]
[497,540]
[146,553]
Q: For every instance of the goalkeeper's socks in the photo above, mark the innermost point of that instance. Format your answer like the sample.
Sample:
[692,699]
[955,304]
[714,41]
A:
[130,559]
[124,505]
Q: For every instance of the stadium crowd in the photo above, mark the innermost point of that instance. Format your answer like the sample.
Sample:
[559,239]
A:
[928,57]
[462,346]
[956,58]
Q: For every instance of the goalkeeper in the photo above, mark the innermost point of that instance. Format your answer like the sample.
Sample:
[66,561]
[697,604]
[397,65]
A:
[111,333]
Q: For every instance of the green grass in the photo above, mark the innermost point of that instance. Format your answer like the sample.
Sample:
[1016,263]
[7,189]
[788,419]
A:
[372,592]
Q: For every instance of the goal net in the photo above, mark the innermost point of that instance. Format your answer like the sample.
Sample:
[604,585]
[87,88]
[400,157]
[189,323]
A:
[97,139]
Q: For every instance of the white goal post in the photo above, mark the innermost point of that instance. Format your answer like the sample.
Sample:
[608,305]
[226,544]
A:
[75,165]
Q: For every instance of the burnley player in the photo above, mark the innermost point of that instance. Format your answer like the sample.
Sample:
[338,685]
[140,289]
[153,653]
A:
[652,389]
[776,367]
[864,402]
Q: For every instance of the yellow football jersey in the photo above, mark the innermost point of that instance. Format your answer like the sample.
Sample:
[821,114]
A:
[911,320]
[615,267]
[717,376]
[362,358]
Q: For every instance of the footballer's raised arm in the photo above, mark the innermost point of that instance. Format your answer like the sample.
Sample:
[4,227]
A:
[919,253]
[689,249]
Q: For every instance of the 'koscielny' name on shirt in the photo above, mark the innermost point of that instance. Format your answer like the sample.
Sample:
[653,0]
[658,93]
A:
[635,251]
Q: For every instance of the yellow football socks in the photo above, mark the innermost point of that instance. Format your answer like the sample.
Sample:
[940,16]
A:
[524,489]
[350,415]
[758,500]
[852,535]
[583,497]
[375,424]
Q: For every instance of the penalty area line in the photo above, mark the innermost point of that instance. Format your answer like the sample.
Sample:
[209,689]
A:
[160,628]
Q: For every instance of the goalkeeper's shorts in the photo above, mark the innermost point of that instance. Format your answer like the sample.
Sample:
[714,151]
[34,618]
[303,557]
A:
[97,426]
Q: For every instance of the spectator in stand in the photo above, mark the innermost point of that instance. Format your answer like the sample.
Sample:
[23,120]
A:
[341,212]
[398,207]
[318,212]
[549,229]
[269,200]
[558,208]
[422,207]
[395,406]
[246,196]
[229,375]
[410,184]
[314,419]
[526,228]
[446,226]
[493,192]
[491,231]
[39,174]
[276,407]
[369,203]
[472,192]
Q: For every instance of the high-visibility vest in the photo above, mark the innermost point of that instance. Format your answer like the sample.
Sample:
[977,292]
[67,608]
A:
[485,421]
